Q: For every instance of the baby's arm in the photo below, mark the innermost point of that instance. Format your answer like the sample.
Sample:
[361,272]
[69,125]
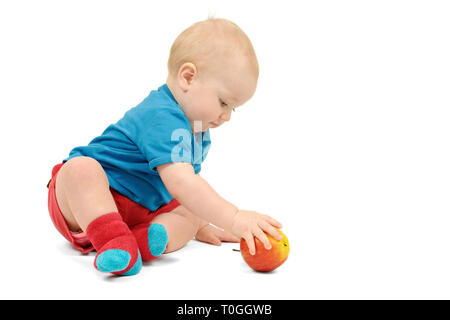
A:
[194,193]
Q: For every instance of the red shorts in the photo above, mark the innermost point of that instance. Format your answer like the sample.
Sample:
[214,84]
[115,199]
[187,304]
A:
[132,213]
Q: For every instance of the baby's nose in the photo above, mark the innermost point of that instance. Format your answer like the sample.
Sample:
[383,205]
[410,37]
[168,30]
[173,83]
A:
[225,116]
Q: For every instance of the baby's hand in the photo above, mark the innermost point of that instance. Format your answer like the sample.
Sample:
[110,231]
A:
[250,224]
[213,235]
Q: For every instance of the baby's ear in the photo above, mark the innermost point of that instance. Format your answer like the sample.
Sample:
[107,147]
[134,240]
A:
[186,74]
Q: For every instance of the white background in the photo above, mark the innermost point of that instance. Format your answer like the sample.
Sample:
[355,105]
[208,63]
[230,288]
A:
[346,142]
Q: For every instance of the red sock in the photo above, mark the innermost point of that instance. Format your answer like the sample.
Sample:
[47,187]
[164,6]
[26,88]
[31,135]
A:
[117,250]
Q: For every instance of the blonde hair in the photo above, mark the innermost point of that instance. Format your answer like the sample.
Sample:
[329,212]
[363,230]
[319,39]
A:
[207,41]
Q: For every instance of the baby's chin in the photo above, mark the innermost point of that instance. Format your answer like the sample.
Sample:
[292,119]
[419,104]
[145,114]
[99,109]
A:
[212,125]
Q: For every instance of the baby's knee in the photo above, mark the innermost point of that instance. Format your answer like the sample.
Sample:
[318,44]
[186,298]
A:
[81,169]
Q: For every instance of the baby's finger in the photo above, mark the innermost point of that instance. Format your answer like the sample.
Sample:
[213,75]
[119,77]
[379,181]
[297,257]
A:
[273,222]
[250,243]
[263,238]
[268,228]
[215,241]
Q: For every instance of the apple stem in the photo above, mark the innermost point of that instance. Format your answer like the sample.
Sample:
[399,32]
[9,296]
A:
[237,250]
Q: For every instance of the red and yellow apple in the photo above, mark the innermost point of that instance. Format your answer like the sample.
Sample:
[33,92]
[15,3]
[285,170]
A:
[266,260]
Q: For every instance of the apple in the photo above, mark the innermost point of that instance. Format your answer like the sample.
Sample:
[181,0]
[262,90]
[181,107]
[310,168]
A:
[266,260]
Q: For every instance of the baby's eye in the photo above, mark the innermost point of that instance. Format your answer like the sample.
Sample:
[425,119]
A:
[234,109]
[223,104]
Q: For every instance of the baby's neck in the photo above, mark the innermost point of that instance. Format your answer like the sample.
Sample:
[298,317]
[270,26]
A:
[171,84]
[174,89]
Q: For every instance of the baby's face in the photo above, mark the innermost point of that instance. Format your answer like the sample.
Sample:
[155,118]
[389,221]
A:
[210,99]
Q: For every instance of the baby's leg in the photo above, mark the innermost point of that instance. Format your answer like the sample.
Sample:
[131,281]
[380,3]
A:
[82,192]
[83,196]
[167,232]
[181,226]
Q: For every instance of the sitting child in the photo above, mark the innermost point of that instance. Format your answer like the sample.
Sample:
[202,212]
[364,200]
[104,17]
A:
[134,192]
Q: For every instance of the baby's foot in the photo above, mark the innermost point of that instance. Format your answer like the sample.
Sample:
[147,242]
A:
[152,240]
[120,257]
[117,250]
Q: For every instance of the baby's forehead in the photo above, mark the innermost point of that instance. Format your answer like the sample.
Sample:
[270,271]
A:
[236,88]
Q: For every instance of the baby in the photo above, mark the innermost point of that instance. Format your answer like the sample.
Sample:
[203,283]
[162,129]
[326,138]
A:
[135,192]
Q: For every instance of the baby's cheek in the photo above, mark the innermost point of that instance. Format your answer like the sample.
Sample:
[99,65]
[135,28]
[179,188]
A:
[208,114]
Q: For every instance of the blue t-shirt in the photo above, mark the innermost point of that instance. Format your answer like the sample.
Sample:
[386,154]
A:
[153,133]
